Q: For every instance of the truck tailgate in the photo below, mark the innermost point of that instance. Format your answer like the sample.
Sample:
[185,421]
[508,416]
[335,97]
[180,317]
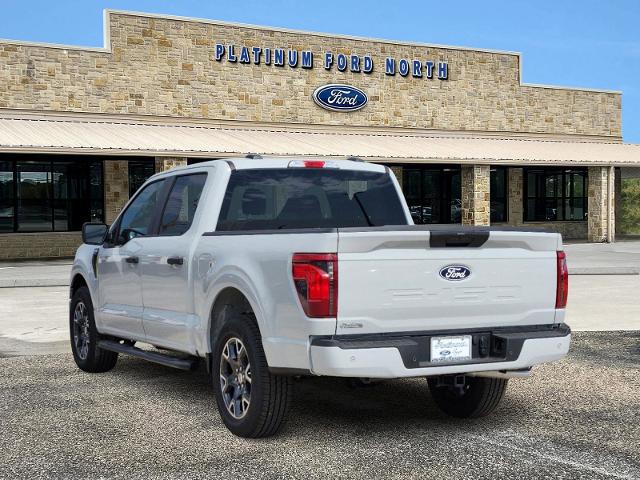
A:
[390,279]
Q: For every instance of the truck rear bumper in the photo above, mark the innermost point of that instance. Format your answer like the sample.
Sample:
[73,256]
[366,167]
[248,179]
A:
[396,356]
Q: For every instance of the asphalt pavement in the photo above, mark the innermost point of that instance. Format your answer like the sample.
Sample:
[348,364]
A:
[578,418]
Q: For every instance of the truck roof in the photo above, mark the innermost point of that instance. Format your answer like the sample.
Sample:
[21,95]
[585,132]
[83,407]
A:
[245,163]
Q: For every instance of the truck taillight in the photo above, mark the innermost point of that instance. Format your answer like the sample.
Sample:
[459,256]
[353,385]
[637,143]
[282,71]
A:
[315,276]
[562,288]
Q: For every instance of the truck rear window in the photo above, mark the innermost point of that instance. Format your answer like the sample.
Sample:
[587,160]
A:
[269,199]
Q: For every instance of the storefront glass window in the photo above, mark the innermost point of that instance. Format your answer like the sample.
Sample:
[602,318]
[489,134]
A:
[498,188]
[6,197]
[44,193]
[34,197]
[555,194]
[139,171]
[433,194]
[73,184]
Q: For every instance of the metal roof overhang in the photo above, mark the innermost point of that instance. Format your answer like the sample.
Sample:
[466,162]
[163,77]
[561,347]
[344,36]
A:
[188,138]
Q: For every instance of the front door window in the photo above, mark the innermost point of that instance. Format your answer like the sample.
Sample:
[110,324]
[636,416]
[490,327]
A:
[137,220]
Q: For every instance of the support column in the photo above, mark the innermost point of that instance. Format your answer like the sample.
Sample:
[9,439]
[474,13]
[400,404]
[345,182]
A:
[515,200]
[601,205]
[475,194]
[116,188]
[167,163]
[618,201]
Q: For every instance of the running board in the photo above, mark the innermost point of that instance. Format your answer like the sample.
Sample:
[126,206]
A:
[188,363]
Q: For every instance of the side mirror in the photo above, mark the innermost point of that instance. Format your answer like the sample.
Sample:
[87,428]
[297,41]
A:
[94,233]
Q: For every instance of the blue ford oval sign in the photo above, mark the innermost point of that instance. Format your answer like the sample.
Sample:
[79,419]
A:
[340,98]
[455,273]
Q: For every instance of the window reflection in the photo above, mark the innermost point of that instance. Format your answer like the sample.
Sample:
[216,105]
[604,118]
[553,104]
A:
[498,195]
[40,193]
[139,172]
[433,194]
[555,194]
[34,197]
[6,197]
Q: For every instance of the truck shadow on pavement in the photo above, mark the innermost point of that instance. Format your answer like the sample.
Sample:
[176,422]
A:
[529,404]
[328,402]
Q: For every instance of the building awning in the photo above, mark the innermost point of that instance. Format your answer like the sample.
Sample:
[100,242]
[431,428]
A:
[110,136]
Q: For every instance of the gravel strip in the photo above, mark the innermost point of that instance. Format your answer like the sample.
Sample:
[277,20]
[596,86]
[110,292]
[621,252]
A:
[579,418]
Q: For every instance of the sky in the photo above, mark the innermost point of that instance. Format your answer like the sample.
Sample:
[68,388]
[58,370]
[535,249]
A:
[584,43]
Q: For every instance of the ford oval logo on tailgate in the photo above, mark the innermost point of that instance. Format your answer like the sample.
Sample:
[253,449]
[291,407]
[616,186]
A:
[340,98]
[455,273]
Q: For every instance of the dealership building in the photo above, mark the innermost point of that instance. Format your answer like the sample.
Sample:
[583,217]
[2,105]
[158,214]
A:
[471,143]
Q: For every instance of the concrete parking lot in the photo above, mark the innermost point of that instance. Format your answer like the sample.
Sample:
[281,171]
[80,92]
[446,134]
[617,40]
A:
[579,418]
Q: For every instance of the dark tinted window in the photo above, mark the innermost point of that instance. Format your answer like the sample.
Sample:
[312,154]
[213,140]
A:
[40,193]
[555,194]
[77,194]
[182,204]
[498,194]
[138,217]
[307,198]
[6,197]
[35,211]
[139,172]
[433,193]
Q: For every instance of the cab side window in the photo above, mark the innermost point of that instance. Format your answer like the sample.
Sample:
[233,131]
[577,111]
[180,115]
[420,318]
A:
[182,204]
[137,220]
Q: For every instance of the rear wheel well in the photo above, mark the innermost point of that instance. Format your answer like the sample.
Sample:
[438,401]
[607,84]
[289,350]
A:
[77,282]
[229,297]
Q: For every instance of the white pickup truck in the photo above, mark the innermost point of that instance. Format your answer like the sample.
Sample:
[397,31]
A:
[268,268]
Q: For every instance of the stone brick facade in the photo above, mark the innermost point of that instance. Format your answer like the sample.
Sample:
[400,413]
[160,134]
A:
[39,245]
[167,163]
[598,219]
[116,188]
[475,194]
[163,66]
[515,207]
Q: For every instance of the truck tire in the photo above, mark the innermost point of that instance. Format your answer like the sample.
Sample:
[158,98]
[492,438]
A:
[251,400]
[84,336]
[478,397]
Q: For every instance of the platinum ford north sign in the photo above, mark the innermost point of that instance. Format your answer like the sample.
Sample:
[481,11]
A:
[293,58]
[340,98]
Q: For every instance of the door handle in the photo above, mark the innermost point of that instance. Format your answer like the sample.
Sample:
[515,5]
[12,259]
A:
[175,260]
[132,260]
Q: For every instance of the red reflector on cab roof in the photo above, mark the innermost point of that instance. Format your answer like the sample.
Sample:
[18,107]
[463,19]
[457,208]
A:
[312,164]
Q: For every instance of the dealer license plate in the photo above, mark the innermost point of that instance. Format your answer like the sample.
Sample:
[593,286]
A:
[450,349]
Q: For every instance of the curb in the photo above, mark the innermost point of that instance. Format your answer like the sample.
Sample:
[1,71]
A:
[604,271]
[34,283]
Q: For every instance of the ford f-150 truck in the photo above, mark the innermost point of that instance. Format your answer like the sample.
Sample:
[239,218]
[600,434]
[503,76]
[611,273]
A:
[266,269]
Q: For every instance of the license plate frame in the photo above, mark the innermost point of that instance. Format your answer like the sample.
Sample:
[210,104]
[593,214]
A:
[450,349]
